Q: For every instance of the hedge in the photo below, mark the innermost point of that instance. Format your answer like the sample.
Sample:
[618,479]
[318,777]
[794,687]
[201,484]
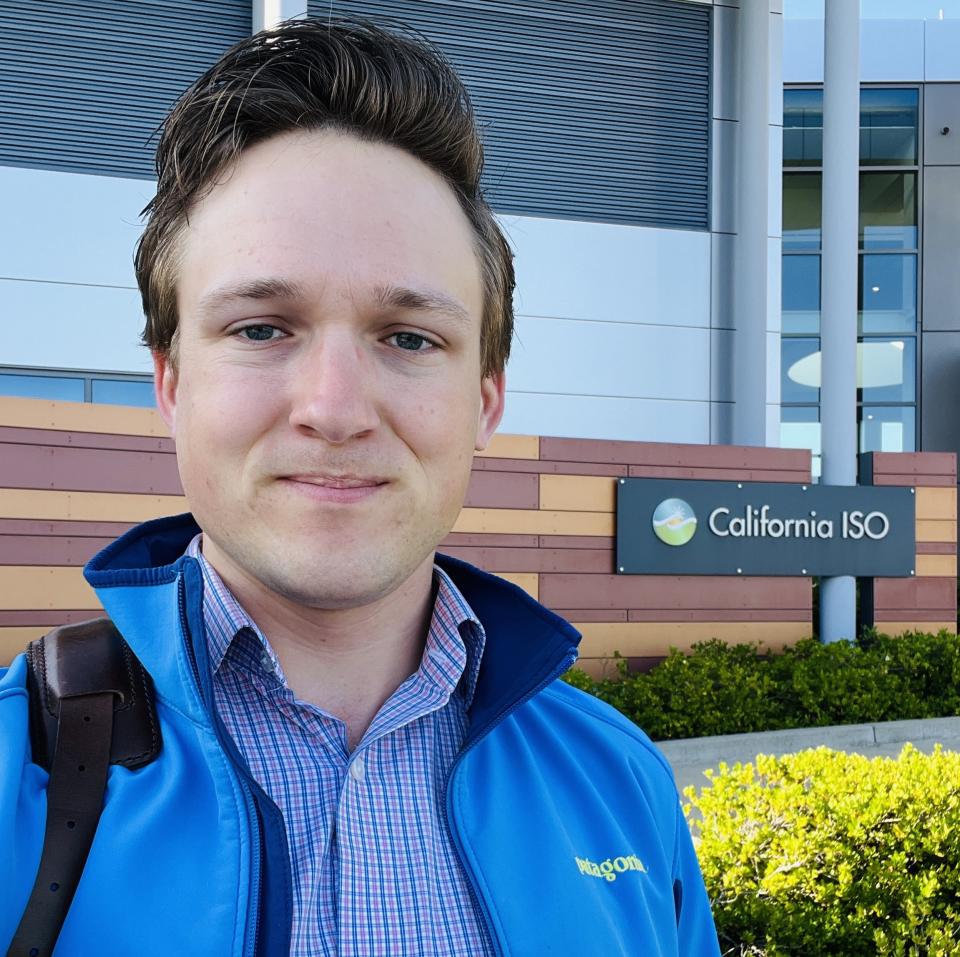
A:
[822,854]
[731,689]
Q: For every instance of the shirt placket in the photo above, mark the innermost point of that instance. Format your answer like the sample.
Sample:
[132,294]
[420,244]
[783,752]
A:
[368,922]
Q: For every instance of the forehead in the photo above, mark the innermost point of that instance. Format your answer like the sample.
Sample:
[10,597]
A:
[334,215]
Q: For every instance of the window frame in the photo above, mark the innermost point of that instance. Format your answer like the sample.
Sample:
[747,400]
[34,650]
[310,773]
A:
[917,252]
[86,375]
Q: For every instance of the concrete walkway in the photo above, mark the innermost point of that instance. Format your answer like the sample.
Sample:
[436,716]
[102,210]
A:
[691,757]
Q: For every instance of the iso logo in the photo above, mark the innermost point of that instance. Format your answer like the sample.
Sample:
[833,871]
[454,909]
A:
[674,521]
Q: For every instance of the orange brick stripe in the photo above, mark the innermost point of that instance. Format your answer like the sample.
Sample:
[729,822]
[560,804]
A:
[928,601]
[49,587]
[602,639]
[930,627]
[80,417]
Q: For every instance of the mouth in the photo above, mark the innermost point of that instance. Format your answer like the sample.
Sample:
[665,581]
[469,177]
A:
[337,489]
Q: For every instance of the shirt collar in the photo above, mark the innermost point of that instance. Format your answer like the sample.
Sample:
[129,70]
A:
[451,656]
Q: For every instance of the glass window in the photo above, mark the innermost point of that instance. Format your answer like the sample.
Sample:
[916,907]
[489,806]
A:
[800,290]
[886,369]
[888,210]
[799,370]
[801,210]
[800,429]
[122,392]
[888,293]
[887,428]
[802,127]
[888,127]
[61,388]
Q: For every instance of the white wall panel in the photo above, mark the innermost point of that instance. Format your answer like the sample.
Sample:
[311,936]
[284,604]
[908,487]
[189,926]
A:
[66,270]
[570,356]
[67,326]
[588,417]
[942,50]
[579,270]
[891,50]
[70,227]
[613,328]
[802,51]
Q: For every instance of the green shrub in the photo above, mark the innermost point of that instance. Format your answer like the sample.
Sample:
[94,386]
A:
[720,685]
[826,854]
[731,689]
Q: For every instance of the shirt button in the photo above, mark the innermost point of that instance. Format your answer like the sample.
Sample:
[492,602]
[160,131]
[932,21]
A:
[356,768]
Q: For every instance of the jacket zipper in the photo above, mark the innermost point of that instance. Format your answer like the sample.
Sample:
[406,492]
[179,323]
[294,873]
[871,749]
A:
[253,815]
[478,901]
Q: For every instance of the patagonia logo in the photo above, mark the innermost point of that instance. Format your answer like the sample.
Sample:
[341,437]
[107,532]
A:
[609,869]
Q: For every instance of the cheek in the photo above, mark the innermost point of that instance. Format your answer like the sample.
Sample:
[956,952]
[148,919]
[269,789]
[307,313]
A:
[218,420]
[445,422]
[442,433]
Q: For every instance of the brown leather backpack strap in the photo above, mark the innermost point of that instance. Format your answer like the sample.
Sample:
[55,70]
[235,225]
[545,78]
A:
[92,706]
[78,778]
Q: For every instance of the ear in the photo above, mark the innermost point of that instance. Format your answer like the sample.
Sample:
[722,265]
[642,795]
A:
[492,389]
[165,389]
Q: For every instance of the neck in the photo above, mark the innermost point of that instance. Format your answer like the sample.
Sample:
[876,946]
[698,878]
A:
[347,661]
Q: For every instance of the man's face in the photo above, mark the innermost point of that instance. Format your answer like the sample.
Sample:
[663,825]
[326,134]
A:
[327,396]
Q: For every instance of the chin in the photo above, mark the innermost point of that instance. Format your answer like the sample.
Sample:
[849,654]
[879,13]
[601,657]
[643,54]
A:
[318,585]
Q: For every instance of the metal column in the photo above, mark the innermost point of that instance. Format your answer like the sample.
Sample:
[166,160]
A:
[266,14]
[750,258]
[838,315]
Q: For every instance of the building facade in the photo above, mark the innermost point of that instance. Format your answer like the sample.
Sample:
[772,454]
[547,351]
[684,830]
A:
[619,142]
[656,165]
[610,129]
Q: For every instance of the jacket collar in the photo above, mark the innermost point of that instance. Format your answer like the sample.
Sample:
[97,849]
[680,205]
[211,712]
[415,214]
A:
[141,577]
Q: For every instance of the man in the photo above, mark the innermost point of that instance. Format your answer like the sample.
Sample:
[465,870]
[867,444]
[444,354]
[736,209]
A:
[365,746]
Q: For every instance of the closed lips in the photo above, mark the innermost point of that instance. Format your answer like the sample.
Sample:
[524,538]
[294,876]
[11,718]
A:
[339,481]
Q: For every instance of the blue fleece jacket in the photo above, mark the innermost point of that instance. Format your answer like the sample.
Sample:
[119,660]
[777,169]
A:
[565,816]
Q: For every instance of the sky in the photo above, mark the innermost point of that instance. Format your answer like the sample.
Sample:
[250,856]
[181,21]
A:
[879,9]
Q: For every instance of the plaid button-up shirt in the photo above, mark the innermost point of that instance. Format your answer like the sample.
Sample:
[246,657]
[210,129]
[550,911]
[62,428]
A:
[374,868]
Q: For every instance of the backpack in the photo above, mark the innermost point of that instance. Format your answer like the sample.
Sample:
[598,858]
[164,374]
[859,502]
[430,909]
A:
[91,705]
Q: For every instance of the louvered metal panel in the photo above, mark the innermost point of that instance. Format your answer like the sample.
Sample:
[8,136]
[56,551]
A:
[84,84]
[592,109]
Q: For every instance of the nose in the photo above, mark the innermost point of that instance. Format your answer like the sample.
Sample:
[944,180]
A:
[334,392]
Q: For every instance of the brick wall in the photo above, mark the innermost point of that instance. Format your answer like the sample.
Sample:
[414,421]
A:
[539,511]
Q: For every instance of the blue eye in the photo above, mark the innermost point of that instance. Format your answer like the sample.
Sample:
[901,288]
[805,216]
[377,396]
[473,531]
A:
[410,341]
[261,333]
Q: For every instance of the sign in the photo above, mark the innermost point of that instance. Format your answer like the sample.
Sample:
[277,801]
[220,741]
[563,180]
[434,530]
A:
[681,527]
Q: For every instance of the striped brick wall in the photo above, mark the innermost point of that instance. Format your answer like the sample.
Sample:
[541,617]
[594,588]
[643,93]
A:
[539,511]
[928,601]
[550,528]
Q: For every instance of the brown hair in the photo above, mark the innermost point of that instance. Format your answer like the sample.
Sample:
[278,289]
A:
[346,75]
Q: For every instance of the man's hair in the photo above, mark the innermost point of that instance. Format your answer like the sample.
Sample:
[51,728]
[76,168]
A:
[343,75]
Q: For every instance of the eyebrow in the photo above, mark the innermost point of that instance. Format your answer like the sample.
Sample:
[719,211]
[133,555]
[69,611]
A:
[386,296]
[254,290]
[426,300]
